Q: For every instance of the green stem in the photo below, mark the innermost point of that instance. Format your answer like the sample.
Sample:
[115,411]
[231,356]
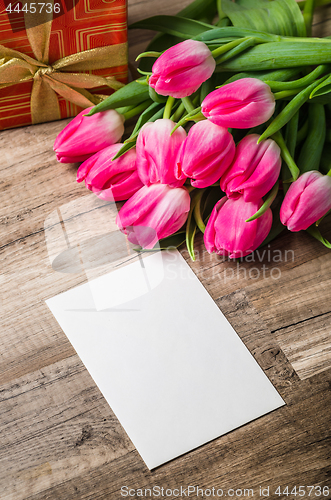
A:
[137,110]
[148,54]
[301,82]
[145,73]
[188,104]
[308,12]
[286,114]
[197,211]
[278,138]
[291,133]
[245,44]
[178,113]
[286,93]
[302,132]
[168,107]
[329,173]
[225,48]
[195,115]
[290,141]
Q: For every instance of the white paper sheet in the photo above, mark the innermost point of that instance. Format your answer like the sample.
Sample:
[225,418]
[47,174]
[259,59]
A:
[164,356]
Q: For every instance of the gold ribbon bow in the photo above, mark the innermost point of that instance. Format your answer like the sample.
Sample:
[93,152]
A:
[61,77]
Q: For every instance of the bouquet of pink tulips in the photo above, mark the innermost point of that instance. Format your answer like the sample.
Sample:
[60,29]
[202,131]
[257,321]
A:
[231,132]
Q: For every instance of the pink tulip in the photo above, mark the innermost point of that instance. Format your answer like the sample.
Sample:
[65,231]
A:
[306,201]
[206,153]
[244,103]
[153,213]
[254,170]
[111,180]
[228,234]
[157,153]
[180,70]
[85,135]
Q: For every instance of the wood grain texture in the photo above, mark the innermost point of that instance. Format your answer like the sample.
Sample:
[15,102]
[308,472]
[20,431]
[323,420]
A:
[59,439]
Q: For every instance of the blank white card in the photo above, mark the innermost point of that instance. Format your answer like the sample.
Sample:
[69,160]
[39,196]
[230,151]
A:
[164,356]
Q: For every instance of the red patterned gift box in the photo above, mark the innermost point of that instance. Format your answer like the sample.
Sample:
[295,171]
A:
[60,57]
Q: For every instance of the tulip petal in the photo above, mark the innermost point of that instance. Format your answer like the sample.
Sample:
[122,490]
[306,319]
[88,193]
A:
[227,233]
[245,103]
[159,207]
[85,135]
[157,153]
[206,153]
[254,170]
[181,69]
[306,201]
[111,180]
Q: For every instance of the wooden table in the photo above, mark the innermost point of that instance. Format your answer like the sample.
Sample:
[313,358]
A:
[60,440]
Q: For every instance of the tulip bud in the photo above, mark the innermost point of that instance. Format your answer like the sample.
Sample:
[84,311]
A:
[254,170]
[153,213]
[85,135]
[244,103]
[157,153]
[306,201]
[206,153]
[181,69]
[228,234]
[111,180]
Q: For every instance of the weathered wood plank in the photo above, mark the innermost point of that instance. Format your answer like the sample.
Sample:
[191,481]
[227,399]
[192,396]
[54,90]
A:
[295,450]
[307,345]
[73,429]
[59,439]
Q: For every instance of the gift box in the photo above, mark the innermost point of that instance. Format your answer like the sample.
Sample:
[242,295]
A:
[58,58]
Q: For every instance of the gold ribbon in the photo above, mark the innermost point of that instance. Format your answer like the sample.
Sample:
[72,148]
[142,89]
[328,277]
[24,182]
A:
[61,77]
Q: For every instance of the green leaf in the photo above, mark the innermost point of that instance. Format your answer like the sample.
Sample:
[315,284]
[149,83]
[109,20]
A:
[147,115]
[277,86]
[270,198]
[229,33]
[286,114]
[173,25]
[214,195]
[322,89]
[144,118]
[132,94]
[282,17]
[315,233]
[198,9]
[157,97]
[279,74]
[126,147]
[277,227]
[280,55]
[173,241]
